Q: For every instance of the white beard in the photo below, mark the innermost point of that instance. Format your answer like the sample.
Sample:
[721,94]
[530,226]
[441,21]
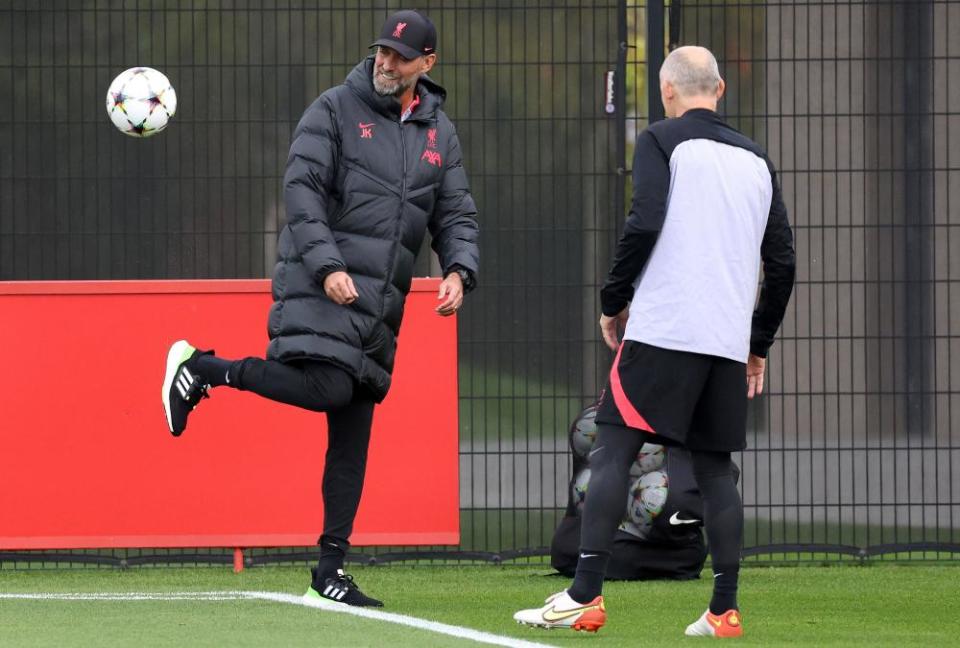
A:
[393,88]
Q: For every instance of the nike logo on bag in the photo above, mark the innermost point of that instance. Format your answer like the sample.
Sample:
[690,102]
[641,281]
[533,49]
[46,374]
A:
[585,555]
[595,451]
[675,520]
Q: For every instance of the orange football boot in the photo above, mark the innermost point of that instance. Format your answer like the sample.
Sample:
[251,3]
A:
[561,611]
[723,626]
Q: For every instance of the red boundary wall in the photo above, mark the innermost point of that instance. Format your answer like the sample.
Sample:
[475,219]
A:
[86,459]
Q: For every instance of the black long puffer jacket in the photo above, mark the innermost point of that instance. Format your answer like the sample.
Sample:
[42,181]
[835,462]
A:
[361,189]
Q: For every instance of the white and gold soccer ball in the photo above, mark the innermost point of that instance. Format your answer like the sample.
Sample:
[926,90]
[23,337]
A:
[141,101]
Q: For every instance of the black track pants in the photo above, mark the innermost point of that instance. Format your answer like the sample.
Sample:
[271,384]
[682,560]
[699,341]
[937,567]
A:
[320,387]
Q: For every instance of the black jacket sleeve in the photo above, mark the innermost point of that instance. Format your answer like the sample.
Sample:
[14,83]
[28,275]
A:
[453,224]
[308,183]
[651,185]
[779,267]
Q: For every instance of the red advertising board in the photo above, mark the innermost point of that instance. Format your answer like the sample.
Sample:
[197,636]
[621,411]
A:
[86,459]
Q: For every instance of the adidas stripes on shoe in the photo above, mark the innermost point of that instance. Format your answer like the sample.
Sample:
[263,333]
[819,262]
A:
[339,588]
[183,387]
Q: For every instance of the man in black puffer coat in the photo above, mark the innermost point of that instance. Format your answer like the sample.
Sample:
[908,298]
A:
[373,165]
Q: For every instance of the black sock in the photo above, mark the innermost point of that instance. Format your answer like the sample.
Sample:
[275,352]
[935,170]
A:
[614,450]
[332,553]
[723,521]
[588,581]
[213,370]
[724,588]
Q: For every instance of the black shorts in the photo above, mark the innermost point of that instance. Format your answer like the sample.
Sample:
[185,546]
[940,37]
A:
[678,398]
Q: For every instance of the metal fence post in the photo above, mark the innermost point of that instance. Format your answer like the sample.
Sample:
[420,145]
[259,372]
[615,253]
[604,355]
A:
[655,41]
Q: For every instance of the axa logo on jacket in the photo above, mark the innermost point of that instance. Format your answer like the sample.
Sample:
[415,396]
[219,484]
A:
[432,157]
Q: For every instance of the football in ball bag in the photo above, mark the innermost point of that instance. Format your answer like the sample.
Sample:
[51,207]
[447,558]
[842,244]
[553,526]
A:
[583,432]
[141,101]
[646,499]
[579,488]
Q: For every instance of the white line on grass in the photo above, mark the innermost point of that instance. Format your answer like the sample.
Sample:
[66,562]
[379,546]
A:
[126,596]
[401,619]
[277,597]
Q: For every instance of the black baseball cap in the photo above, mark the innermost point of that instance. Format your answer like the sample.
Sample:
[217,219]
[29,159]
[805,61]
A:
[410,33]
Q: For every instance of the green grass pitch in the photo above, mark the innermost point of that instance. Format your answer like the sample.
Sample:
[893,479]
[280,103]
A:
[873,605]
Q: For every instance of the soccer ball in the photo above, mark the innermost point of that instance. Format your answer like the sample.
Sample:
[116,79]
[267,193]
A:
[141,101]
[646,499]
[650,458]
[583,432]
[579,488]
[631,528]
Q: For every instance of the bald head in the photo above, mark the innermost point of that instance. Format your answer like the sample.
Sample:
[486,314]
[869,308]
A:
[690,78]
[692,71]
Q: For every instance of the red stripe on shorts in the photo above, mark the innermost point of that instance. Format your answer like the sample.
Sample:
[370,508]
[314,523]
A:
[629,413]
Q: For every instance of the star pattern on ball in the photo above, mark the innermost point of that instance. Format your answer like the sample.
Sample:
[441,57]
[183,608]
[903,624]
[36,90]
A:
[141,101]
